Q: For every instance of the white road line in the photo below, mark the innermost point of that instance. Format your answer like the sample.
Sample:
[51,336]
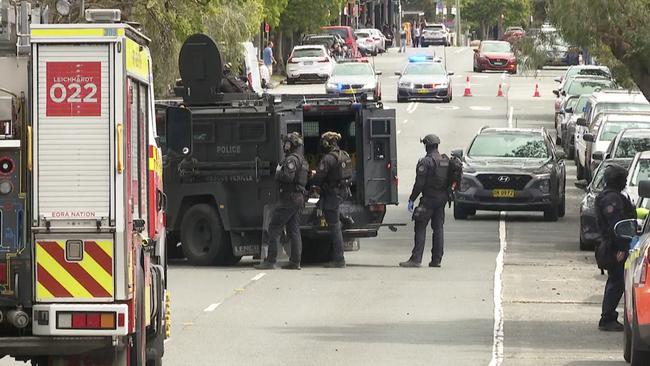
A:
[497,343]
[408,108]
[415,106]
[511,112]
[258,276]
[212,307]
[460,50]
[405,121]
[480,108]
[399,131]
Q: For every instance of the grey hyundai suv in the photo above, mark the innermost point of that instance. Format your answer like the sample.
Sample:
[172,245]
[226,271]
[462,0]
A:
[511,169]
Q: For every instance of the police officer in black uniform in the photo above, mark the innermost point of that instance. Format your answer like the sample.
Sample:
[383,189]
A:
[292,174]
[611,207]
[333,177]
[434,180]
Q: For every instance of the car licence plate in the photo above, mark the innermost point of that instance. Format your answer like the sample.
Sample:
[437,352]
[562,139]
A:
[503,193]
[309,62]
[423,91]
[349,91]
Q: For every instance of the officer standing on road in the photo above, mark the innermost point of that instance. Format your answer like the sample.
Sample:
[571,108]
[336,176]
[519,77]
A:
[333,176]
[436,176]
[611,207]
[292,174]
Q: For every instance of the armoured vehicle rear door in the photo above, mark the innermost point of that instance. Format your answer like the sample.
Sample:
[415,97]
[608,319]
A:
[379,156]
[290,121]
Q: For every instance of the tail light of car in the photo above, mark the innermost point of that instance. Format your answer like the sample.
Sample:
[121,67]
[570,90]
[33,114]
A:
[369,40]
[324,60]
[292,61]
[643,271]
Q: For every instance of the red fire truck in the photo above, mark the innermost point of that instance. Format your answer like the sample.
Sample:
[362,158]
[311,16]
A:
[94,226]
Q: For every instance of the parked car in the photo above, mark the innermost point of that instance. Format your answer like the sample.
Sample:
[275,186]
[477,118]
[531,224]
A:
[584,70]
[568,139]
[354,78]
[627,143]
[639,171]
[424,78]
[378,38]
[309,63]
[435,35]
[496,56]
[512,169]
[366,44]
[602,131]
[327,40]
[618,99]
[346,34]
[565,111]
[513,34]
[589,227]
[579,85]
[636,317]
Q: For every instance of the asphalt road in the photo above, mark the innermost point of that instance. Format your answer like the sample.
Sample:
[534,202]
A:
[374,312]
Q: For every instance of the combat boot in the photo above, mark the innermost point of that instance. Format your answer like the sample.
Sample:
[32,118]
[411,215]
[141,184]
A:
[292,265]
[409,264]
[265,265]
[611,326]
[434,264]
[335,264]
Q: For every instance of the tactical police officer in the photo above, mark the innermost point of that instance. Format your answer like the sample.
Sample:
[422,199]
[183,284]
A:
[333,176]
[611,207]
[292,174]
[436,176]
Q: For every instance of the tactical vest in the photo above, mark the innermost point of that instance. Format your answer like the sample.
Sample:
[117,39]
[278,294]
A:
[341,175]
[437,179]
[300,178]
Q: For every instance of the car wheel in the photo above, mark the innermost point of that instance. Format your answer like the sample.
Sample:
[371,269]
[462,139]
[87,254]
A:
[291,81]
[562,206]
[638,356]
[585,245]
[627,339]
[446,100]
[460,212]
[401,99]
[552,213]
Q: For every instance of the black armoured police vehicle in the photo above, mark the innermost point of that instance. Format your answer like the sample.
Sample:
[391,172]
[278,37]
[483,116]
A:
[221,151]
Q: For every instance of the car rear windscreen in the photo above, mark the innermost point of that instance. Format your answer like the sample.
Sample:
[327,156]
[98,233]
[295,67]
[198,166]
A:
[308,52]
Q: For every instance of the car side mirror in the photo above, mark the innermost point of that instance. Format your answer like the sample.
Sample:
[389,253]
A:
[581,184]
[179,130]
[558,79]
[598,155]
[378,73]
[627,229]
[398,73]
[561,155]
[450,73]
[589,137]
[457,153]
[556,92]
[564,93]
[644,188]
[581,122]
[568,110]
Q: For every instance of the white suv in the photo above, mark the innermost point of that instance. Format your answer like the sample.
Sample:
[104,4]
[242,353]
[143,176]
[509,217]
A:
[436,35]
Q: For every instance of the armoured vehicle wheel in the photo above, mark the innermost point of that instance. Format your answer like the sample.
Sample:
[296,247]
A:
[316,250]
[202,236]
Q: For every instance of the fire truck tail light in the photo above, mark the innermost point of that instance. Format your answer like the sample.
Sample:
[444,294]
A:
[120,320]
[86,320]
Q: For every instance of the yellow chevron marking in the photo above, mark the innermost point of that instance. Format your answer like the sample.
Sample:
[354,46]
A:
[61,275]
[95,270]
[42,292]
[106,246]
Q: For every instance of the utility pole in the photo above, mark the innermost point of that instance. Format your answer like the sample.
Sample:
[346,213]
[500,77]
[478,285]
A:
[458,32]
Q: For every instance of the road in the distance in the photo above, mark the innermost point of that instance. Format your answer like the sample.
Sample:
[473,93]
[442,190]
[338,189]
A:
[374,312]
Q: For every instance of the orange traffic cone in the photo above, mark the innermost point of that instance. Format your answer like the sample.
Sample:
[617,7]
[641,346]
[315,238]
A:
[468,89]
[500,92]
[536,95]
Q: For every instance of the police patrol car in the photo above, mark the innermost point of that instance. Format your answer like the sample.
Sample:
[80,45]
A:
[424,78]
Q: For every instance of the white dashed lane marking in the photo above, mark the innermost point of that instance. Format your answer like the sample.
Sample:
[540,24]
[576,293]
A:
[481,108]
[258,276]
[212,307]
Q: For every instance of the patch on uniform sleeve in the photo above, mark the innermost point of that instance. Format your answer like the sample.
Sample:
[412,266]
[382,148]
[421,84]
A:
[321,166]
[291,166]
[421,168]
[610,209]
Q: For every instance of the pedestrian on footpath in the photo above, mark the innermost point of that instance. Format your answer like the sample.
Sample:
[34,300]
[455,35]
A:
[402,39]
[436,177]
[333,176]
[611,207]
[416,35]
[292,174]
[268,58]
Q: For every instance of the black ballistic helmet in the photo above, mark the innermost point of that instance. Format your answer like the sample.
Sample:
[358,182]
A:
[431,139]
[615,177]
[292,141]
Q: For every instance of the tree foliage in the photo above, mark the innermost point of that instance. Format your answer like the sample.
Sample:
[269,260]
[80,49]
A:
[480,15]
[615,29]
[308,15]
